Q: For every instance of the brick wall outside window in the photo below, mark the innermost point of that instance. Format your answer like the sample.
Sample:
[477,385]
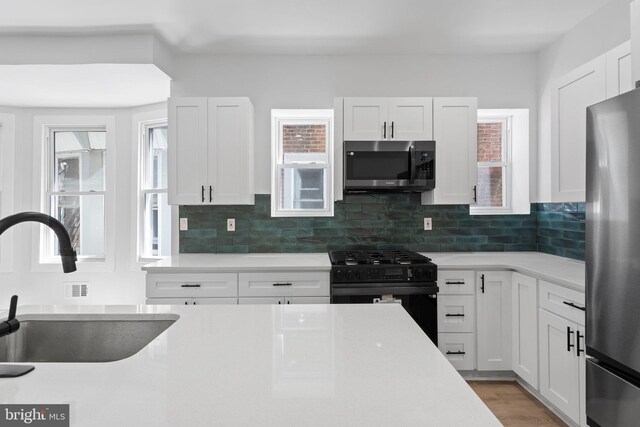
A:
[490,150]
[304,139]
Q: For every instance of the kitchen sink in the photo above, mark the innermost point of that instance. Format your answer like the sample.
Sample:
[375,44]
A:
[82,338]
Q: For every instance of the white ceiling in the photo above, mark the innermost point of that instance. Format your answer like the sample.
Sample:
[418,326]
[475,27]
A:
[313,26]
[88,85]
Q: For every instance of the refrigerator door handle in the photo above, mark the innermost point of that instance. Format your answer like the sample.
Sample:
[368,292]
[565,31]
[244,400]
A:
[569,333]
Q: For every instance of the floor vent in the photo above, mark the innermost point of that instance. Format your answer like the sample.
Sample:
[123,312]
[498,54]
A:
[76,290]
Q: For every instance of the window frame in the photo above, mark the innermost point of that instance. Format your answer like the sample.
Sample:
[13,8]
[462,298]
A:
[43,126]
[281,118]
[7,146]
[142,189]
[516,175]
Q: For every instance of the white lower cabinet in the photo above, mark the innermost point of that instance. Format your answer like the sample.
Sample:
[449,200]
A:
[283,284]
[493,299]
[456,313]
[562,364]
[524,303]
[459,349]
[192,301]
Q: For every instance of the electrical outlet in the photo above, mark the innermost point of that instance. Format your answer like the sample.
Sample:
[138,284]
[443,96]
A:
[184,224]
[231,224]
[427,224]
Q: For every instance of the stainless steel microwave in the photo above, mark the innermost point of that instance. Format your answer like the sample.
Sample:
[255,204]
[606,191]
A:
[403,166]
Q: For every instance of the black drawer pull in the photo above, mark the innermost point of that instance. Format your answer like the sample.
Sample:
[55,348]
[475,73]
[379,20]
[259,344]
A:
[455,283]
[482,285]
[456,352]
[189,285]
[570,304]
[282,284]
[569,332]
[578,349]
[454,315]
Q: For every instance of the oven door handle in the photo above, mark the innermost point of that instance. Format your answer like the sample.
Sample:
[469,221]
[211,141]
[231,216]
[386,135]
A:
[345,290]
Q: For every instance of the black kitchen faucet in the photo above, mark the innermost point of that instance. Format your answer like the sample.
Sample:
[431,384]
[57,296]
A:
[68,255]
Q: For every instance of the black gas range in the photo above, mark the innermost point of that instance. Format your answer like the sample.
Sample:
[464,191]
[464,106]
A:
[388,276]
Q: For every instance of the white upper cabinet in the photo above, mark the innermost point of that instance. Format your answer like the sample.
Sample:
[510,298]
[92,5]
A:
[619,75]
[604,77]
[378,119]
[493,298]
[456,134]
[570,97]
[210,151]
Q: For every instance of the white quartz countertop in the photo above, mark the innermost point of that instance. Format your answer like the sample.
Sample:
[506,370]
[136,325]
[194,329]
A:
[260,365]
[563,271]
[241,262]
[560,270]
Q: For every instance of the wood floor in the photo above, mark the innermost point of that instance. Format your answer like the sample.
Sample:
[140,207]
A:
[513,405]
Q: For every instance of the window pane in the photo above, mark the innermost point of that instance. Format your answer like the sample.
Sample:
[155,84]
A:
[79,160]
[83,217]
[490,142]
[302,189]
[157,158]
[304,143]
[156,233]
[491,186]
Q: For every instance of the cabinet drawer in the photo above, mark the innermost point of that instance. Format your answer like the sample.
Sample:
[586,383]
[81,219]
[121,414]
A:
[283,284]
[192,285]
[454,282]
[456,313]
[562,301]
[192,301]
[459,349]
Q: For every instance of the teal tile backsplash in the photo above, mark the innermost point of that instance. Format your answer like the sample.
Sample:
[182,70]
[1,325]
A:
[561,229]
[382,221]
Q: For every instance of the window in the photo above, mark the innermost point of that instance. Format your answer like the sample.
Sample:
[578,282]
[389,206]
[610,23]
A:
[76,188]
[503,162]
[154,211]
[302,149]
[7,138]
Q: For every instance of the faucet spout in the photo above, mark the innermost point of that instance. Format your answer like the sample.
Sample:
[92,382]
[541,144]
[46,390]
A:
[67,253]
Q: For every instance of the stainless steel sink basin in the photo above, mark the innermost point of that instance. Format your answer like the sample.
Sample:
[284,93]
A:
[83,338]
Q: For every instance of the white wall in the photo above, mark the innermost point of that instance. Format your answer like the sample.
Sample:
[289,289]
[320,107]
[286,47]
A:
[602,31]
[123,285]
[278,81]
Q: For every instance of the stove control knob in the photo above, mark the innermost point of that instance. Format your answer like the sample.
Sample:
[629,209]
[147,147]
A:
[338,275]
[418,274]
[350,274]
[361,275]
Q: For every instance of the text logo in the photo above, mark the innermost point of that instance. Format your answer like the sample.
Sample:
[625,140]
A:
[34,415]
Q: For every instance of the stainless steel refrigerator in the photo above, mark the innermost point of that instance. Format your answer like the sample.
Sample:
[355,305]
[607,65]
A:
[613,262]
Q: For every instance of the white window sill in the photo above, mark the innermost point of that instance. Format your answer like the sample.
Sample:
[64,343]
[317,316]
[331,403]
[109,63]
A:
[499,211]
[83,266]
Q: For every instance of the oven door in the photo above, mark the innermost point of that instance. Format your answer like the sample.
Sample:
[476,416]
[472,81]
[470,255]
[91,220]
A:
[422,306]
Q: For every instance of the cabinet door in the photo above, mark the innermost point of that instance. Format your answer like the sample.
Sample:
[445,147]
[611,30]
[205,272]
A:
[618,62]
[582,377]
[169,301]
[524,303]
[411,119]
[215,301]
[306,300]
[559,374]
[284,284]
[493,299]
[187,151]
[455,132]
[230,152]
[456,282]
[459,349]
[365,119]
[570,97]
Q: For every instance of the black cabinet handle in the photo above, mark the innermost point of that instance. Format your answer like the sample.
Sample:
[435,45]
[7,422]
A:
[454,315]
[203,194]
[455,283]
[384,130]
[475,194]
[570,304]
[456,352]
[569,332]
[392,125]
[188,285]
[210,194]
[482,283]
[186,303]
[194,303]
[282,284]
[578,349]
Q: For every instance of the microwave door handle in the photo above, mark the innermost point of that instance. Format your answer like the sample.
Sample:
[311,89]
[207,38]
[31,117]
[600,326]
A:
[412,164]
